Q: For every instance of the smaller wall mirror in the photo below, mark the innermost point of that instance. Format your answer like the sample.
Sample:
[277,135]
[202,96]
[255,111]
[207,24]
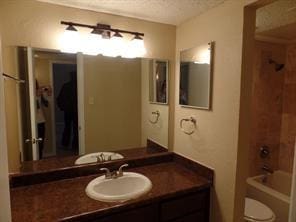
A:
[196,77]
[158,81]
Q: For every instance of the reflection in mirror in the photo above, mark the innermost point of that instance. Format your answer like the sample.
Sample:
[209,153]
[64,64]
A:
[158,81]
[195,77]
[106,104]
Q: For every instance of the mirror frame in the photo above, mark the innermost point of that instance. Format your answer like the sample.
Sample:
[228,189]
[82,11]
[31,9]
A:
[167,81]
[210,99]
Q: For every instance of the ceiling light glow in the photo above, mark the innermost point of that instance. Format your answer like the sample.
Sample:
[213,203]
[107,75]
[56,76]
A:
[70,40]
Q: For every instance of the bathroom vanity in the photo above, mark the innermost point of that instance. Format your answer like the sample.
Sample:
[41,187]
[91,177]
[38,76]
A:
[180,192]
[123,120]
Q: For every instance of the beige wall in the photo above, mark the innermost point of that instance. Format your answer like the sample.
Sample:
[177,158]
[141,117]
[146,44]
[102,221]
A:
[157,132]
[11,108]
[215,143]
[113,121]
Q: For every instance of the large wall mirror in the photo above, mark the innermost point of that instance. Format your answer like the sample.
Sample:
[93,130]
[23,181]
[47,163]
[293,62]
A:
[75,106]
[158,81]
[196,76]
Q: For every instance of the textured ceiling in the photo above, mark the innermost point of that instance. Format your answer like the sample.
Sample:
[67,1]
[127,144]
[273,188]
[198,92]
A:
[287,32]
[164,11]
[275,15]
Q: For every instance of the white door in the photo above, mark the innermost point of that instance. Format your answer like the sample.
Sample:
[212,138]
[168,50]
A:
[33,139]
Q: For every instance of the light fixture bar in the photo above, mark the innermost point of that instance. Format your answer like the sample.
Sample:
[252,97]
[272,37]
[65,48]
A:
[103,27]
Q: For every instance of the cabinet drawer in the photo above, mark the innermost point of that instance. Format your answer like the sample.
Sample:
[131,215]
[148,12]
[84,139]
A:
[143,214]
[183,206]
[195,217]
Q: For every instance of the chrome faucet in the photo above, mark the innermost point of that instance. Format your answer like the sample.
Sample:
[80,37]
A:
[103,158]
[108,174]
[120,171]
[267,171]
[115,174]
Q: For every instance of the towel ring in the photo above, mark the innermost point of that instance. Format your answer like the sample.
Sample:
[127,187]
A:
[157,113]
[190,119]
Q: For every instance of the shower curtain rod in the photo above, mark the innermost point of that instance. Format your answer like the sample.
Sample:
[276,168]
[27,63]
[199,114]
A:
[13,78]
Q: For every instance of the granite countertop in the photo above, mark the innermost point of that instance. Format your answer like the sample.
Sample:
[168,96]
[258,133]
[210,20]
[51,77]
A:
[66,199]
[62,162]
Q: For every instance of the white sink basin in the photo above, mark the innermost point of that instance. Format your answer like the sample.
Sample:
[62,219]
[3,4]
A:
[92,157]
[129,186]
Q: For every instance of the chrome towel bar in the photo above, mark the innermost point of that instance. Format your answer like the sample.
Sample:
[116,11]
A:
[190,119]
[157,114]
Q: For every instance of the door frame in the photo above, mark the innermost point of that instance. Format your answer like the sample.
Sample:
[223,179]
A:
[5,211]
[32,98]
[51,63]
[80,95]
[80,102]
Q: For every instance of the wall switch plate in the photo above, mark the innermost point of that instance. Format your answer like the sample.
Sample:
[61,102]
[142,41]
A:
[91,100]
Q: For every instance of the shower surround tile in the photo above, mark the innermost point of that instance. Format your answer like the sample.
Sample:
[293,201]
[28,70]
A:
[266,106]
[288,129]
[273,107]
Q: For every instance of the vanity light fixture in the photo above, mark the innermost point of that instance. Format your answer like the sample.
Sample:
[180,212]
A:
[116,46]
[70,40]
[99,41]
[135,48]
[92,43]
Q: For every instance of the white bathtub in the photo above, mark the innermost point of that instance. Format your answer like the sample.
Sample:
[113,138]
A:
[275,193]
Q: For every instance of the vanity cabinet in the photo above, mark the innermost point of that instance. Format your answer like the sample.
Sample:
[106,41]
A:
[143,214]
[193,207]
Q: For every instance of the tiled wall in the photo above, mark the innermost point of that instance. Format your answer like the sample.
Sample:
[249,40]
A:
[266,105]
[288,126]
[273,107]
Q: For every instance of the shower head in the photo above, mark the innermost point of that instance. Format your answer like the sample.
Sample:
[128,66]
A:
[277,66]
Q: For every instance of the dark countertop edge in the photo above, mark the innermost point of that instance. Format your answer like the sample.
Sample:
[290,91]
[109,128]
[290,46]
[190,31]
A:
[84,217]
[85,170]
[20,174]
[152,148]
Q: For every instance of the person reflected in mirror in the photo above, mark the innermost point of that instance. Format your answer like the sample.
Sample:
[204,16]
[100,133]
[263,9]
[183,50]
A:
[163,90]
[42,94]
[183,98]
[67,102]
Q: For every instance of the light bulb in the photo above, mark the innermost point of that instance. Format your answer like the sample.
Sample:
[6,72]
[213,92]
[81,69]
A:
[69,41]
[92,43]
[114,46]
[136,48]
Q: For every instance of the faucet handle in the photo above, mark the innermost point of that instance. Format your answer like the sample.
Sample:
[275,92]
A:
[264,151]
[120,171]
[267,169]
[107,172]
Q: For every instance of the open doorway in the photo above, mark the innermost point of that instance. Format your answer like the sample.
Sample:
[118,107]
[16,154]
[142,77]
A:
[272,113]
[64,76]
[56,103]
